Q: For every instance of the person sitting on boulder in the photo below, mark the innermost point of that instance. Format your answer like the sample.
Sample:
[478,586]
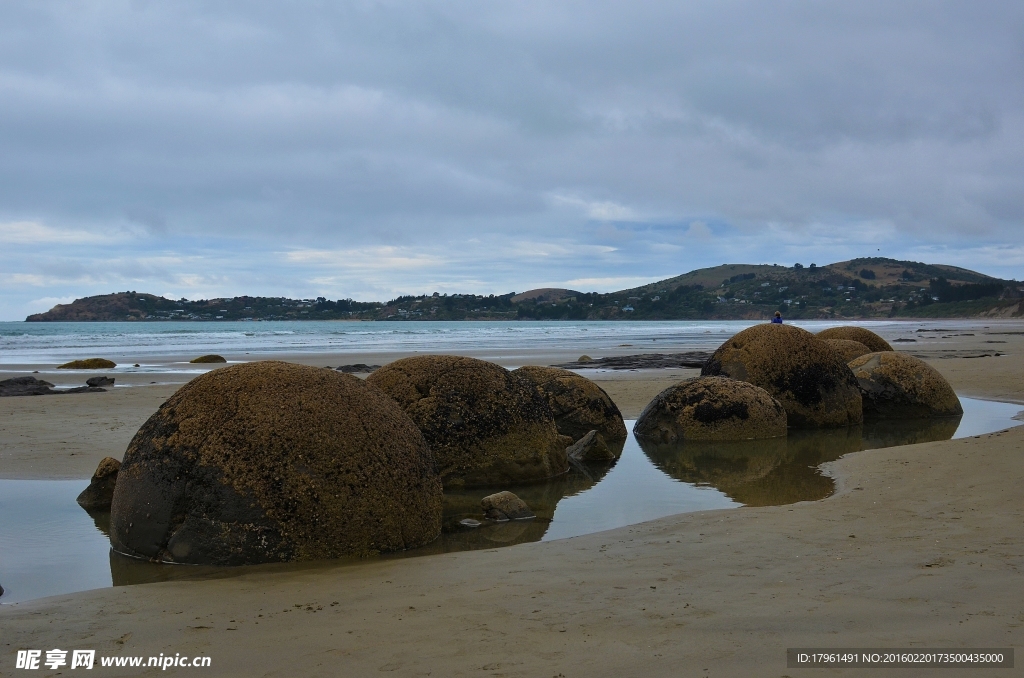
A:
[777,320]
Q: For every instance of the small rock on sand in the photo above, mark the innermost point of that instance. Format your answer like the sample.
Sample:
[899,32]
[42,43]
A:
[100,381]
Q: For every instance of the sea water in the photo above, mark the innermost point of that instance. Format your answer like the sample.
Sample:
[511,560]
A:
[23,343]
[50,546]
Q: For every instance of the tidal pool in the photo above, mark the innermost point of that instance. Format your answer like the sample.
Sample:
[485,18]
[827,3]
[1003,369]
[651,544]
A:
[50,546]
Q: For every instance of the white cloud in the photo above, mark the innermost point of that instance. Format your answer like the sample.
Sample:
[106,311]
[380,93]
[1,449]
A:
[35,233]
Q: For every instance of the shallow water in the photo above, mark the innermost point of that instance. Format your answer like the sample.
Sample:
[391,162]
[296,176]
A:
[49,545]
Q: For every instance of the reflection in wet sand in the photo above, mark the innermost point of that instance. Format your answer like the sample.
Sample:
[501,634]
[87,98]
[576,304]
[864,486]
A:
[784,470]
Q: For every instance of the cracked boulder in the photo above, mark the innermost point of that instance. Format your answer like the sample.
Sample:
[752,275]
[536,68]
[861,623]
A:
[484,424]
[806,375]
[578,405]
[899,386]
[270,462]
[711,408]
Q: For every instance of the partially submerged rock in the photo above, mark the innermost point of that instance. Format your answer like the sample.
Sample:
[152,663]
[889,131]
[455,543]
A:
[88,364]
[711,408]
[852,333]
[100,493]
[593,447]
[210,358]
[848,348]
[807,376]
[505,506]
[484,425]
[99,381]
[577,403]
[270,461]
[900,386]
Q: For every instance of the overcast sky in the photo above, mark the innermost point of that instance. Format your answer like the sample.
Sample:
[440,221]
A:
[369,149]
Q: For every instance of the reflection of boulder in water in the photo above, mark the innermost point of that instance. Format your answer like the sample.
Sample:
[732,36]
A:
[908,432]
[542,498]
[760,473]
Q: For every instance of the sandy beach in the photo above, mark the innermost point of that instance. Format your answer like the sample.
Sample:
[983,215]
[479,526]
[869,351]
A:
[919,547]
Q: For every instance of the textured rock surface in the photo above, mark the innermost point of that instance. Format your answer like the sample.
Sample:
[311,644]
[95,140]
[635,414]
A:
[100,493]
[30,386]
[848,348]
[505,506]
[88,364]
[900,386]
[99,381]
[807,376]
[866,337]
[271,461]
[578,404]
[484,425]
[593,447]
[211,358]
[25,386]
[711,408]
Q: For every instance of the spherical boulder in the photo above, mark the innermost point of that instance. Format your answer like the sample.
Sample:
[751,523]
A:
[271,461]
[900,386]
[578,404]
[866,337]
[808,377]
[848,348]
[484,425]
[711,408]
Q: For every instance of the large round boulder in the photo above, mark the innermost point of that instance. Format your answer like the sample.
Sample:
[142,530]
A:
[271,461]
[711,408]
[484,425]
[848,348]
[900,386]
[852,333]
[577,403]
[808,377]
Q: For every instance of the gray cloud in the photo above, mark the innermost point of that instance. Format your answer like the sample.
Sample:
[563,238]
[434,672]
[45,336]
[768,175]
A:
[795,128]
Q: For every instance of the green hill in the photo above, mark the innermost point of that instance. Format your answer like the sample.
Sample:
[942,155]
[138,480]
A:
[860,288]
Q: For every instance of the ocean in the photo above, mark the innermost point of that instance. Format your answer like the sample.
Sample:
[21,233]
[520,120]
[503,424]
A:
[23,343]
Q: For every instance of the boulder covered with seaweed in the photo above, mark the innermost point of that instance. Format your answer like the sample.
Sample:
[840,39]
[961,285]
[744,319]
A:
[853,333]
[806,375]
[711,408]
[484,424]
[271,461]
[578,404]
[899,386]
[848,348]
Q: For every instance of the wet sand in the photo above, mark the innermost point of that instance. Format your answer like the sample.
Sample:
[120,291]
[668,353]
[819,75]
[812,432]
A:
[920,546]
